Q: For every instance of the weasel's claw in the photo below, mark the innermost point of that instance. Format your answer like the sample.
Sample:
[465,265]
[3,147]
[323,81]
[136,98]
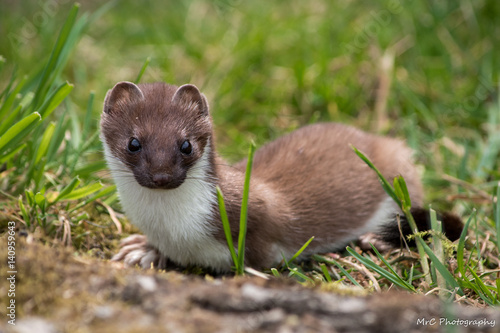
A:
[135,250]
[133,239]
[380,245]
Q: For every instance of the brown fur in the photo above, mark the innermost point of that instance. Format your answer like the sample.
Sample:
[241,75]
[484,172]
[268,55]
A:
[154,120]
[307,183]
[311,183]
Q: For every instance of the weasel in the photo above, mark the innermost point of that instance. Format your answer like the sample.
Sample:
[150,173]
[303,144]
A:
[159,145]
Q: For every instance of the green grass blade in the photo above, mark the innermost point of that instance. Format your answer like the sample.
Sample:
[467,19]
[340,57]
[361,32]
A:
[295,272]
[347,275]
[441,268]
[55,99]
[436,226]
[416,104]
[111,199]
[45,80]
[143,69]
[27,99]
[244,208]
[75,139]
[82,192]
[396,280]
[44,144]
[38,173]
[423,260]
[76,32]
[497,283]
[299,252]
[41,201]
[402,192]
[461,244]
[106,191]
[10,119]
[18,131]
[12,153]
[68,189]
[9,85]
[488,296]
[88,115]
[402,199]
[101,11]
[90,169]
[326,274]
[88,142]
[385,184]
[30,197]
[391,269]
[339,266]
[284,260]
[24,212]
[57,137]
[227,227]
[490,153]
[275,272]
[410,276]
[434,222]
[17,113]
[7,105]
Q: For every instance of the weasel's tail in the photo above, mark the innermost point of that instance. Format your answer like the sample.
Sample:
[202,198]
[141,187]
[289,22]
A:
[452,226]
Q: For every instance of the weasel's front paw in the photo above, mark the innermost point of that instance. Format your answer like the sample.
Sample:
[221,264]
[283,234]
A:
[371,238]
[135,250]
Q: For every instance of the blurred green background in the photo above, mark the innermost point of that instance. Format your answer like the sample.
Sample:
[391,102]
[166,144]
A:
[425,71]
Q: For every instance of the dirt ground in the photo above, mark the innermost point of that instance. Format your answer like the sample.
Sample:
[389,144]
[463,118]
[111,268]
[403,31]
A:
[59,291]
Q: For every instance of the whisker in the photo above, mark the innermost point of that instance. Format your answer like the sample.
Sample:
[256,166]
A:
[205,180]
[120,171]
[123,161]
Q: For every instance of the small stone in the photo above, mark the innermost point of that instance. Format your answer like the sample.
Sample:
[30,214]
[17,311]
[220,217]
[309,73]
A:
[147,283]
[33,324]
[104,312]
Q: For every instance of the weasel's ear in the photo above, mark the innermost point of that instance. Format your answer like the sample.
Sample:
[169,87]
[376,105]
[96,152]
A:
[121,94]
[188,94]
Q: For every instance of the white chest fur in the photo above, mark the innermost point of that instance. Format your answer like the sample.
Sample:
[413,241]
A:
[174,221]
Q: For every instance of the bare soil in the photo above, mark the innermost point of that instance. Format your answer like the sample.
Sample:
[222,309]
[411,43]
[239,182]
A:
[61,291]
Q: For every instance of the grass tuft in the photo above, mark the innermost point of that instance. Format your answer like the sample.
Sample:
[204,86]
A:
[238,258]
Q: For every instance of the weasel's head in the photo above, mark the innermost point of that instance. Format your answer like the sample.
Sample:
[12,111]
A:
[157,131]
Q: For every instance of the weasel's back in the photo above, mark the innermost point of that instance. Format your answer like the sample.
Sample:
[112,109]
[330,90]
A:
[322,152]
[320,178]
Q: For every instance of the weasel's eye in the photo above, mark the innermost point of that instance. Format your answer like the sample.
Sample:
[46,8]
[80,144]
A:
[186,148]
[134,146]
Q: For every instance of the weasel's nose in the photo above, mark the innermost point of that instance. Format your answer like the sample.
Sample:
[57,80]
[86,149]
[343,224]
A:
[161,179]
